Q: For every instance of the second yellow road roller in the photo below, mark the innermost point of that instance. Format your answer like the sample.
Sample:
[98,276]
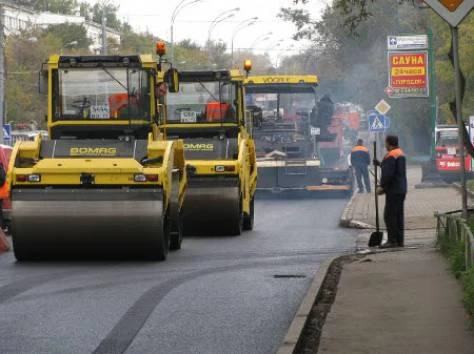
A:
[209,114]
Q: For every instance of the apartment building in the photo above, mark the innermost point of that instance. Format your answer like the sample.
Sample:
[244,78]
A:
[17,18]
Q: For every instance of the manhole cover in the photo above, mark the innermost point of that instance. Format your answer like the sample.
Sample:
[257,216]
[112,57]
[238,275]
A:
[289,276]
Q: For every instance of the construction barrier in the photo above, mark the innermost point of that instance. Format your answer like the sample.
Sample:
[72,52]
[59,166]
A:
[4,243]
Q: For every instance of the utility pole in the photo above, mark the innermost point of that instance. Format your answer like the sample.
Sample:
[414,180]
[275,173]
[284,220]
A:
[432,89]
[2,70]
[104,30]
[461,127]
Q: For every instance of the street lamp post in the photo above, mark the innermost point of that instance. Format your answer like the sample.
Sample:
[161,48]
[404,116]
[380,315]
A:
[103,21]
[262,38]
[278,56]
[240,26]
[274,44]
[225,15]
[181,5]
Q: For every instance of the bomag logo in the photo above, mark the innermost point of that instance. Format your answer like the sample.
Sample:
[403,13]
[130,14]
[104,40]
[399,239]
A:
[199,147]
[89,151]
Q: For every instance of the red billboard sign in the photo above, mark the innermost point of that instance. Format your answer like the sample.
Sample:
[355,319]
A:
[408,74]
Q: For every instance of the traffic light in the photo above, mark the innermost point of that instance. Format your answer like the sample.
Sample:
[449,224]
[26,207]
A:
[451,5]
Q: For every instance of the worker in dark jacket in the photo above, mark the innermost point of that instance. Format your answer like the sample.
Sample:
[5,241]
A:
[360,161]
[393,184]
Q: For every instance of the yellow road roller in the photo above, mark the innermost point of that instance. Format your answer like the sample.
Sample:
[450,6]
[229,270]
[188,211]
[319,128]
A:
[105,183]
[209,114]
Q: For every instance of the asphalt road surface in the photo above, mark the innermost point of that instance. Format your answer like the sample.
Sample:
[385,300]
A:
[216,295]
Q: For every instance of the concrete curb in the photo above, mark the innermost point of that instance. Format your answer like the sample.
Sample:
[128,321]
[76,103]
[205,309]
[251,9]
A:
[299,321]
[356,224]
[346,216]
[426,185]
[346,220]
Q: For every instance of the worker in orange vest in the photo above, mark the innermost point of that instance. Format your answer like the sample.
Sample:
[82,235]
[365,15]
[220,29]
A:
[360,161]
[4,193]
[393,183]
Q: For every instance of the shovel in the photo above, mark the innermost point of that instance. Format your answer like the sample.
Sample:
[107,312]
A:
[376,236]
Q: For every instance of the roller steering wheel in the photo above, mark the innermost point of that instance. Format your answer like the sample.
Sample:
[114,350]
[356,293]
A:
[81,104]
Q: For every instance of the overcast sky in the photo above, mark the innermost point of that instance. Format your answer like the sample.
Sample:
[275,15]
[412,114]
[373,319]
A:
[193,21]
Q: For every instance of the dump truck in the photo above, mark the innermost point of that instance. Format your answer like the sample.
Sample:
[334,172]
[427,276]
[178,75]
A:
[297,151]
[209,114]
[106,182]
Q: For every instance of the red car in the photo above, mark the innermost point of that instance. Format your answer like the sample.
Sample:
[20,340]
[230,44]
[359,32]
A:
[448,162]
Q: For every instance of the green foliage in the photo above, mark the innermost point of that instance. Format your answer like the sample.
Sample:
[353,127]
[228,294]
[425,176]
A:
[468,293]
[355,12]
[24,54]
[188,44]
[136,43]
[444,69]
[217,55]
[454,250]
[111,15]
[71,35]
[456,259]
[85,9]
[470,186]
[67,7]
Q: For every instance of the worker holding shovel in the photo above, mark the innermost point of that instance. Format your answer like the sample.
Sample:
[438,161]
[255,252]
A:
[393,183]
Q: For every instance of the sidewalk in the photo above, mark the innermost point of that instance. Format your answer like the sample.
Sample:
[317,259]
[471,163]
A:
[420,206]
[403,301]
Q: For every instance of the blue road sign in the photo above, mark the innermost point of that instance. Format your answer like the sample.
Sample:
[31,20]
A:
[387,122]
[376,123]
[7,132]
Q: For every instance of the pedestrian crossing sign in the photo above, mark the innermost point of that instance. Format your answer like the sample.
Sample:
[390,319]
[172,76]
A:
[7,128]
[377,123]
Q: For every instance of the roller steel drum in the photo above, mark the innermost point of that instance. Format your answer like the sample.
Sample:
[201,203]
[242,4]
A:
[212,206]
[120,222]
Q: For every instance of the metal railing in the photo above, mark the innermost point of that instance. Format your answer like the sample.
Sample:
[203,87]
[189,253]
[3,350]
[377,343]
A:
[453,227]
